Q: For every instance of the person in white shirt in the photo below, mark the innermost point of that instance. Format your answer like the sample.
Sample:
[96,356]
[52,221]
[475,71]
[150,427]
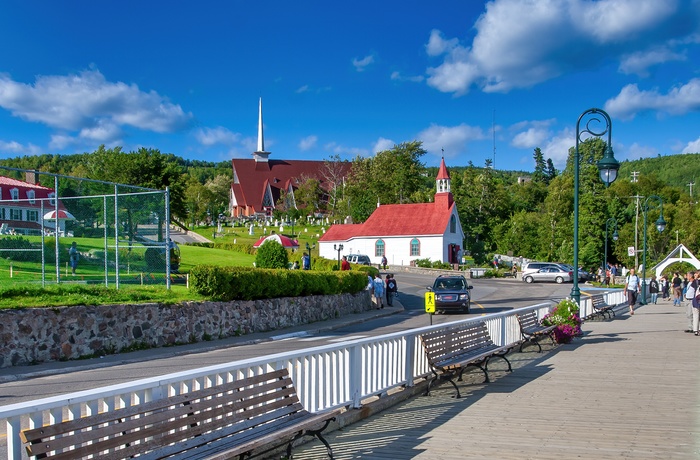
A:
[632,288]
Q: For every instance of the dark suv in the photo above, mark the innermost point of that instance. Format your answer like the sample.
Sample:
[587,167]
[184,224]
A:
[451,293]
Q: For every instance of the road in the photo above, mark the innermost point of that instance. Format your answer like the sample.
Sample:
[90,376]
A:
[488,296]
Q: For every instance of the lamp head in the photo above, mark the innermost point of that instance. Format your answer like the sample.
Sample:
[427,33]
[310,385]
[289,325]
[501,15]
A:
[661,224]
[608,166]
[616,236]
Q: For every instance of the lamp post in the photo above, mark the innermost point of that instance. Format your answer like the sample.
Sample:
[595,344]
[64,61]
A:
[660,226]
[608,167]
[308,251]
[338,248]
[615,236]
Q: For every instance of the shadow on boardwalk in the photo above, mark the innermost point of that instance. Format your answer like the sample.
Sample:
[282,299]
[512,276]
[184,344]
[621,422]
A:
[627,389]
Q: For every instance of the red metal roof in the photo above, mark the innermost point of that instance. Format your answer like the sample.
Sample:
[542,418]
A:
[442,172]
[396,220]
[253,175]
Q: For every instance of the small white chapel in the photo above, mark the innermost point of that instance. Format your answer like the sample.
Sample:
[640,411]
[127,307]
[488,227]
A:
[403,232]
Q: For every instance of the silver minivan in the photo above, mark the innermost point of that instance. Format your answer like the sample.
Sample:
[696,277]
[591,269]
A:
[546,271]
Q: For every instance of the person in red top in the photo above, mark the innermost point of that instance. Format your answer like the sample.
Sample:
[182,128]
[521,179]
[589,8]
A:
[345,265]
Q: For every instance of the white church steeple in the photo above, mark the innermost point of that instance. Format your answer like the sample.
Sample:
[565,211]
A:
[260,155]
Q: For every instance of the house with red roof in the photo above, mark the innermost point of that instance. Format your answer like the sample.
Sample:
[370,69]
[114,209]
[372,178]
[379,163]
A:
[259,183]
[403,232]
[21,205]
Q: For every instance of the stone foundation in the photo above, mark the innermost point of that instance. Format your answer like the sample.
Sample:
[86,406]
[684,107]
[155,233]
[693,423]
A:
[35,335]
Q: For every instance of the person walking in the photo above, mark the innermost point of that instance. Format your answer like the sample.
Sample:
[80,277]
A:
[391,289]
[379,291]
[677,285]
[305,262]
[345,265]
[73,257]
[691,288]
[384,262]
[632,287]
[664,287]
[654,289]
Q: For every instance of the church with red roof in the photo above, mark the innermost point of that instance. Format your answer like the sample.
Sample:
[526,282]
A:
[403,232]
[259,183]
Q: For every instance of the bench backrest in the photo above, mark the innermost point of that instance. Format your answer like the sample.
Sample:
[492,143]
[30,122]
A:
[170,425]
[455,340]
[598,301]
[528,320]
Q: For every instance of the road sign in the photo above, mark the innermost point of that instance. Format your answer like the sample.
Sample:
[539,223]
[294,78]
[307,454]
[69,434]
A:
[430,302]
[630,251]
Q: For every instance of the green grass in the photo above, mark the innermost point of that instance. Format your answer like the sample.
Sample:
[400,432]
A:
[22,281]
[81,294]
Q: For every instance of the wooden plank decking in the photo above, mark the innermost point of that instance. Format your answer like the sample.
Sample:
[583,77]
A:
[630,388]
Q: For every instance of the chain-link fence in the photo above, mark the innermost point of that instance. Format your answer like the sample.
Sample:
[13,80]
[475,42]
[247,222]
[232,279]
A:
[62,229]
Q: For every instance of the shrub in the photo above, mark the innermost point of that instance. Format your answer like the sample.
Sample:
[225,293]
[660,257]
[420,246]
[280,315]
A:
[271,255]
[244,283]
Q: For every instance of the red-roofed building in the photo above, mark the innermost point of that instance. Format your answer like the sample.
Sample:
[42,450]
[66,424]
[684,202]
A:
[403,232]
[259,183]
[21,205]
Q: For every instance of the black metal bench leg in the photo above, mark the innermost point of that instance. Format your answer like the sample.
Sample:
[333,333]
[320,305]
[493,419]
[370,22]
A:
[430,383]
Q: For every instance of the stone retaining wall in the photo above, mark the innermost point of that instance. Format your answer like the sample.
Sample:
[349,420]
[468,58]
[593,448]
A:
[34,335]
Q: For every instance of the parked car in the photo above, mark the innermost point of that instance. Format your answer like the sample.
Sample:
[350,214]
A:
[451,293]
[551,272]
[583,275]
[360,259]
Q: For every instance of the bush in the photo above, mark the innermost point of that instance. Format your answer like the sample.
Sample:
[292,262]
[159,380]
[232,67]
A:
[21,250]
[244,283]
[271,255]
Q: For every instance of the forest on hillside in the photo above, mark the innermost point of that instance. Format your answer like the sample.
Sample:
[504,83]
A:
[532,219]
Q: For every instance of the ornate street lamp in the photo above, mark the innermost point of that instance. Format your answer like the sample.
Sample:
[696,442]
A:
[608,167]
[338,248]
[660,226]
[615,236]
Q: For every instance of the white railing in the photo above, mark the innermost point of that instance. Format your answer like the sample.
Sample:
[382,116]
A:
[342,374]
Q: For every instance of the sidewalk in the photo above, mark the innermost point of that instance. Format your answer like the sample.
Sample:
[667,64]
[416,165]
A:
[628,389]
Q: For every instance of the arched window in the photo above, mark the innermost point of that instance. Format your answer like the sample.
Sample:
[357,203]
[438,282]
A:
[379,248]
[453,224]
[415,247]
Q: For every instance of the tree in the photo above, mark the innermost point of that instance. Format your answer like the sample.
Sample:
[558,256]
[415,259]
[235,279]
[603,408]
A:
[271,254]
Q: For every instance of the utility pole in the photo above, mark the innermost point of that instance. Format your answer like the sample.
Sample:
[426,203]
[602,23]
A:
[690,184]
[636,229]
[635,177]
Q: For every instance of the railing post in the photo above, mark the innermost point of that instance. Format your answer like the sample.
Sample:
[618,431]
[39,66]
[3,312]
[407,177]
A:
[357,374]
[410,360]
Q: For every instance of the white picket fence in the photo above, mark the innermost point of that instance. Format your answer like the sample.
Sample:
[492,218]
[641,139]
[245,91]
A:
[342,374]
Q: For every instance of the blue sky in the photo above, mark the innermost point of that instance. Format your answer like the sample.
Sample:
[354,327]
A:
[349,78]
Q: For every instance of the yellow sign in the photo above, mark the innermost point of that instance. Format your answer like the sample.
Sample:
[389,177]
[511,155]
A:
[430,302]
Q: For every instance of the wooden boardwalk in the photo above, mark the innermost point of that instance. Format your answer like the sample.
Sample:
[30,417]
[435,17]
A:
[630,388]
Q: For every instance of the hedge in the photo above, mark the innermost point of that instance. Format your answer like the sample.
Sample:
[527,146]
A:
[245,283]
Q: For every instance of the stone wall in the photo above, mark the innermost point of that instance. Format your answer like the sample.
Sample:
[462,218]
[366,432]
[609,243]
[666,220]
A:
[35,335]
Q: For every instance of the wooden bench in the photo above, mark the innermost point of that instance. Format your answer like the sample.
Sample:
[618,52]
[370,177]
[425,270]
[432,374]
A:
[452,350]
[532,329]
[601,307]
[231,420]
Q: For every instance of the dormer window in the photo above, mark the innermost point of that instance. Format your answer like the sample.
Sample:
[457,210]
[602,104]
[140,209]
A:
[30,196]
[14,194]
[52,199]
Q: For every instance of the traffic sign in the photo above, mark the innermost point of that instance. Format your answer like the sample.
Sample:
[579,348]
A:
[430,302]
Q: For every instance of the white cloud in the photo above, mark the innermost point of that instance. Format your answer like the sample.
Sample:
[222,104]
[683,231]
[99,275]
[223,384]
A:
[361,64]
[302,89]
[637,151]
[692,147]
[452,139]
[343,150]
[531,133]
[396,76]
[677,101]
[87,101]
[557,147]
[437,44]
[383,144]
[15,148]
[639,62]
[218,135]
[308,142]
[520,43]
